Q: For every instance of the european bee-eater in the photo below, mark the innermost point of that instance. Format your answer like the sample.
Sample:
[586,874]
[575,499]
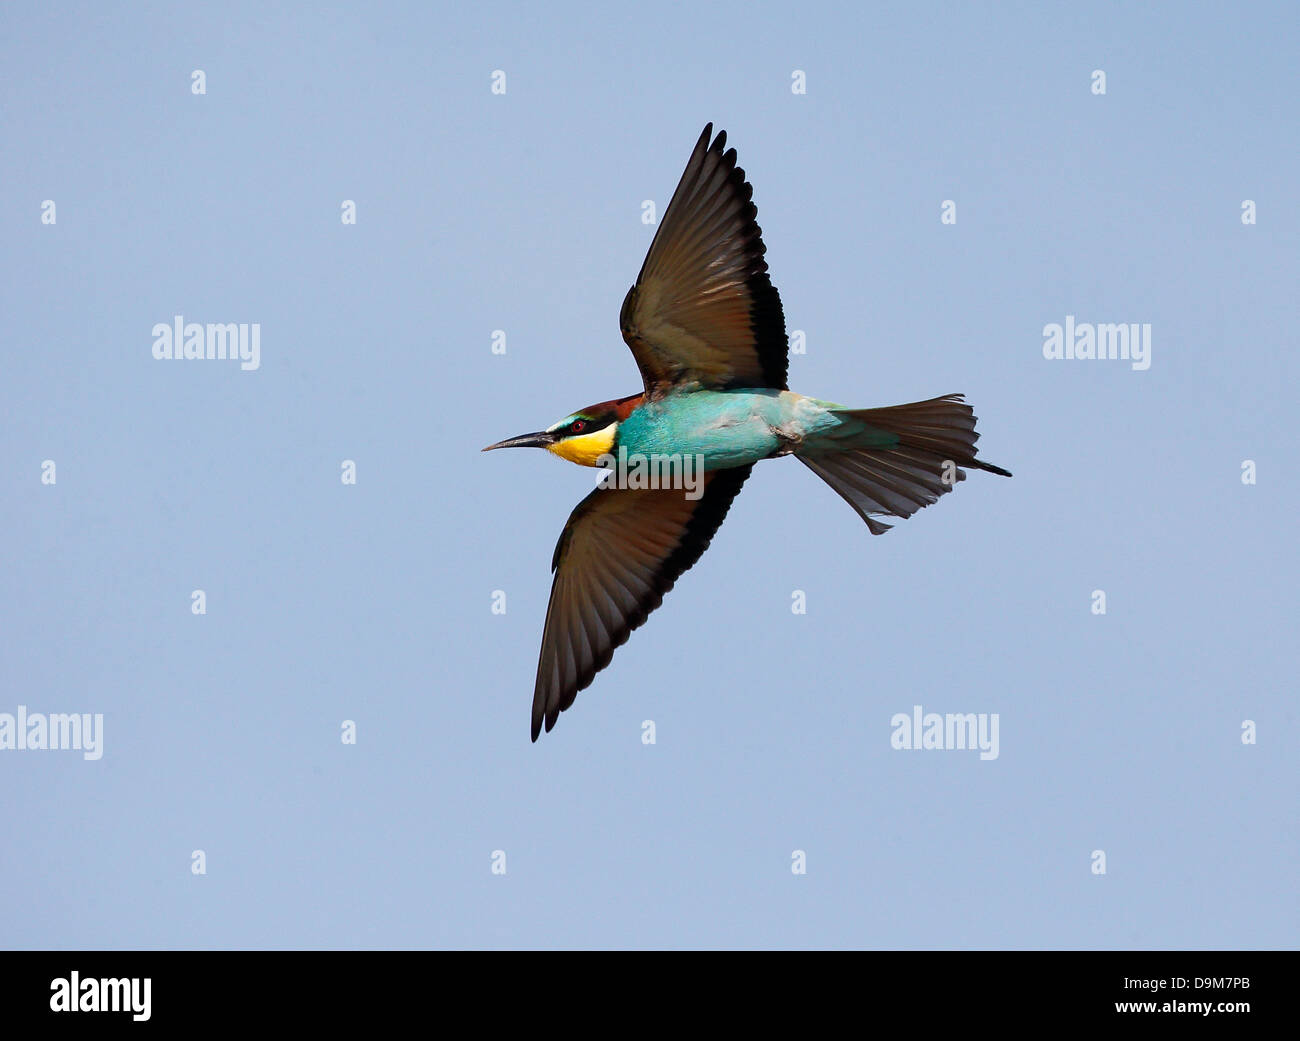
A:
[706,328]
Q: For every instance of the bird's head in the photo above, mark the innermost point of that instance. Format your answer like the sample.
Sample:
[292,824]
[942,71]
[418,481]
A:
[581,437]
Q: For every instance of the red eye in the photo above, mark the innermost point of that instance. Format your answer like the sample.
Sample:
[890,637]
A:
[577,426]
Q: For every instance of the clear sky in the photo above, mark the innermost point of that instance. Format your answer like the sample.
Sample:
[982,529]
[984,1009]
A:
[523,212]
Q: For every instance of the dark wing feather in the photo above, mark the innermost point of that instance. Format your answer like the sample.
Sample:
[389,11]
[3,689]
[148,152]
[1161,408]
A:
[621,551]
[703,311]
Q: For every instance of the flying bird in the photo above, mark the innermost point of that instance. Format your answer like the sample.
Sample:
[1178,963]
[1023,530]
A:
[705,325]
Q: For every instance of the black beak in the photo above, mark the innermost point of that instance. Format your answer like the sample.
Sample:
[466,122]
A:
[538,440]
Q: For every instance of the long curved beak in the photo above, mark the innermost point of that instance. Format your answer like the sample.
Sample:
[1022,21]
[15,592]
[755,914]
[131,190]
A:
[538,440]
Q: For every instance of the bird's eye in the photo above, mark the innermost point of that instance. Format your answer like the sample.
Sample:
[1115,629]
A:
[577,426]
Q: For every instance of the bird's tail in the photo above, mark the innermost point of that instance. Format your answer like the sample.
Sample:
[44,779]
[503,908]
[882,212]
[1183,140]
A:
[893,461]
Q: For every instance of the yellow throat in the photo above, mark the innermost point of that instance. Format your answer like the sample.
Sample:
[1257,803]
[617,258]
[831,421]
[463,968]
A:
[585,449]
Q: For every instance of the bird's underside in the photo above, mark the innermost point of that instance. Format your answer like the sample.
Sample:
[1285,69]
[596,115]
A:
[706,328]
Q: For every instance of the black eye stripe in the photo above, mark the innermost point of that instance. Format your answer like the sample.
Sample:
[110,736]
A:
[587,426]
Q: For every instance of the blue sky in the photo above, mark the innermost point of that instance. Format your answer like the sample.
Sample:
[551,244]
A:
[522,212]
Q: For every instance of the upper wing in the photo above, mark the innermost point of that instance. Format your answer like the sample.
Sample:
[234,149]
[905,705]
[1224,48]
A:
[621,551]
[703,309]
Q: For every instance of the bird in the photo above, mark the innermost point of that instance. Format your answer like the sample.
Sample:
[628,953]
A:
[707,331]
